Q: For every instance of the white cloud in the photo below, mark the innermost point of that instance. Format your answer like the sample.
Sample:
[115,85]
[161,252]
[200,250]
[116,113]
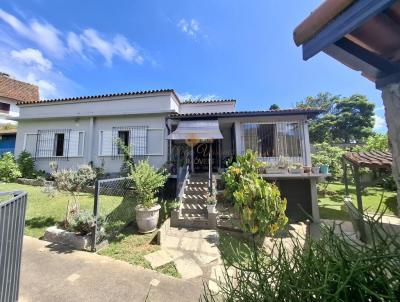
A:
[119,46]
[56,43]
[45,87]
[32,57]
[196,97]
[74,43]
[380,123]
[190,27]
[43,34]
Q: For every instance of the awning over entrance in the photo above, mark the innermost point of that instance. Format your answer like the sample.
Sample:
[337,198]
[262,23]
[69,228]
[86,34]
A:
[201,130]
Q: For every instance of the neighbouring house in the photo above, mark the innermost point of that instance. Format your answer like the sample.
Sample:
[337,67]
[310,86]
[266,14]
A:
[11,92]
[169,132]
[365,36]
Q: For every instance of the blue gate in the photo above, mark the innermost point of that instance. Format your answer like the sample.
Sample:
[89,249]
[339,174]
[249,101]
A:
[12,222]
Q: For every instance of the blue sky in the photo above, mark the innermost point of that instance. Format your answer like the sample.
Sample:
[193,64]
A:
[209,49]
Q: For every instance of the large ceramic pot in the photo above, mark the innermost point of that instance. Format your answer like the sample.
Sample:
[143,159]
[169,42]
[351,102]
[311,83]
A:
[147,218]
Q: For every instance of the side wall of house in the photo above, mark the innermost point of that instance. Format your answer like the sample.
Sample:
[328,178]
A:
[92,127]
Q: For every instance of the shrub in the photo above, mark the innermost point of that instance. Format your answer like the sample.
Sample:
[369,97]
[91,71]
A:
[26,164]
[330,156]
[82,222]
[258,202]
[260,206]
[72,182]
[332,268]
[9,170]
[147,181]
[244,165]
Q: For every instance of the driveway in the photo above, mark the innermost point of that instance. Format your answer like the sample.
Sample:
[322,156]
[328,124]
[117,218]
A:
[55,273]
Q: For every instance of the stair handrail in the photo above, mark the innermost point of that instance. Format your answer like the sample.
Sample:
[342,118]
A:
[181,181]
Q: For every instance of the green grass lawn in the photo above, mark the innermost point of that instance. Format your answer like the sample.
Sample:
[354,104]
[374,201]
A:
[331,204]
[130,246]
[44,211]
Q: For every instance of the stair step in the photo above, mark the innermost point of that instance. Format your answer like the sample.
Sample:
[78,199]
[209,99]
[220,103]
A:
[195,216]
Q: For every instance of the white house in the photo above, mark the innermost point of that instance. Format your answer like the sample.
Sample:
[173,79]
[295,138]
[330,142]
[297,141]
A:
[160,127]
[82,130]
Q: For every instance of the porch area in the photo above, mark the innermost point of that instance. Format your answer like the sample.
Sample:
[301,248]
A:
[200,150]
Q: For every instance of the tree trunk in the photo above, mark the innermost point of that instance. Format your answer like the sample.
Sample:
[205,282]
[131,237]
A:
[391,100]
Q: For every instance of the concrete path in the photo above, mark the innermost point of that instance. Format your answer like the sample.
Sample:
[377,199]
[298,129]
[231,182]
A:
[194,252]
[55,273]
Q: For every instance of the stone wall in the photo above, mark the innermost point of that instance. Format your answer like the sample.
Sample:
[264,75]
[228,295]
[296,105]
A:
[391,100]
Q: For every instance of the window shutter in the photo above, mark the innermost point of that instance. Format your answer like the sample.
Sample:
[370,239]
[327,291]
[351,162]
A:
[106,143]
[73,149]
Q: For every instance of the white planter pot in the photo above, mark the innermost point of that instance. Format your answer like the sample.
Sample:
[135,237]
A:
[315,170]
[147,219]
[296,171]
[211,208]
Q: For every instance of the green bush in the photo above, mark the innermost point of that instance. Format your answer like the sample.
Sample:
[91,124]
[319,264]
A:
[26,164]
[147,181]
[258,202]
[244,165]
[83,221]
[331,156]
[9,169]
[331,268]
[72,182]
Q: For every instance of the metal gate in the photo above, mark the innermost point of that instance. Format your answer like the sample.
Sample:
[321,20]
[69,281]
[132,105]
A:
[12,221]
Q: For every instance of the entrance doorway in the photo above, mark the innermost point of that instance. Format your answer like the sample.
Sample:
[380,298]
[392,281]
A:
[201,153]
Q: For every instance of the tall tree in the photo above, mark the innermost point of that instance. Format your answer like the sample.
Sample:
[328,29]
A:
[343,120]
[354,119]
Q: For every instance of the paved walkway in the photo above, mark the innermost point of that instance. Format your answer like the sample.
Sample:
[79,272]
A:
[53,273]
[194,252]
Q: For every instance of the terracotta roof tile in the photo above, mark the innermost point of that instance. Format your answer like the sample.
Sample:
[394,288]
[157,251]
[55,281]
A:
[100,96]
[372,159]
[206,102]
[311,112]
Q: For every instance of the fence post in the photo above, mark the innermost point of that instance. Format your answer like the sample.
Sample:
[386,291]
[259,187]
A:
[95,213]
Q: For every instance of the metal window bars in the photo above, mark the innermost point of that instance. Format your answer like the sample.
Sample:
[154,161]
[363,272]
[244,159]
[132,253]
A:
[137,140]
[46,144]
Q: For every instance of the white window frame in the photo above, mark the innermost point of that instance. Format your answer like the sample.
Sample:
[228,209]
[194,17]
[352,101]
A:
[100,143]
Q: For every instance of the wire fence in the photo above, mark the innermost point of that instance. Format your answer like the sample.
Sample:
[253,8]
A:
[113,208]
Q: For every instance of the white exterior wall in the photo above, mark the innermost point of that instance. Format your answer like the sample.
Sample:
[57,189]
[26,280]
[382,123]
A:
[14,111]
[143,104]
[111,164]
[93,116]
[207,107]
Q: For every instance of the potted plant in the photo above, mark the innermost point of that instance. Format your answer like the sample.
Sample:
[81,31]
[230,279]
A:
[296,168]
[273,169]
[315,169]
[211,204]
[324,169]
[283,164]
[147,181]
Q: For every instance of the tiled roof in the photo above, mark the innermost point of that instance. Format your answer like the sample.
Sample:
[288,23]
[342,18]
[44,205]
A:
[310,112]
[18,90]
[206,102]
[372,159]
[100,96]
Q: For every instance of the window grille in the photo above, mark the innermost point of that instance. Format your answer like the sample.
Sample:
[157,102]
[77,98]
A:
[137,139]
[56,143]
[272,140]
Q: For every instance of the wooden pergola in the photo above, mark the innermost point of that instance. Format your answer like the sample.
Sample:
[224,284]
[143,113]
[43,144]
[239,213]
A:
[374,160]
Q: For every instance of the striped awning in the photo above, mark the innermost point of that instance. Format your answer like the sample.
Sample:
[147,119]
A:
[201,130]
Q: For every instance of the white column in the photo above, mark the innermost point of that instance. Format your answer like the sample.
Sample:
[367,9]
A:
[90,140]
[307,147]
[391,100]
[238,138]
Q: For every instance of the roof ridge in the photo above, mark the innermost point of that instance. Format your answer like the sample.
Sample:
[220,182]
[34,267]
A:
[189,101]
[99,96]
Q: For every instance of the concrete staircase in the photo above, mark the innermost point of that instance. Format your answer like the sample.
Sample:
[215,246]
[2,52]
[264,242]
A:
[193,209]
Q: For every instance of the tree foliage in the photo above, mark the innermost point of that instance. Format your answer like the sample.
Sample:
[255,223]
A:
[345,119]
[274,107]
[330,156]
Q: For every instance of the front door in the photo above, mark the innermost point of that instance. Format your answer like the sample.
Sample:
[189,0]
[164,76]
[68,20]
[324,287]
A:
[201,153]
